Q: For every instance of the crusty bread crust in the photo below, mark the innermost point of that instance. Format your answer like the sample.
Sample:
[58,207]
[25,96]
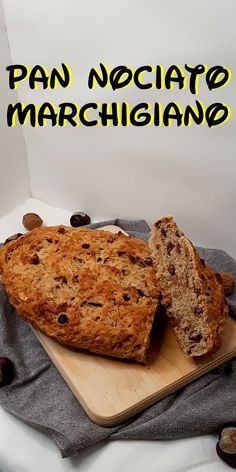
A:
[86,288]
[193,296]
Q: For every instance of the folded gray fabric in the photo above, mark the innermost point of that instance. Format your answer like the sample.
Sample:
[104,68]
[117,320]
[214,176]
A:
[39,396]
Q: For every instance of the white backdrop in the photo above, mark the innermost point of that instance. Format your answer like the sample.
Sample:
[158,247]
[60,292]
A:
[14,177]
[132,172]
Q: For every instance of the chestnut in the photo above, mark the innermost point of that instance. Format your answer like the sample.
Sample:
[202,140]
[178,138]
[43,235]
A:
[79,219]
[226,446]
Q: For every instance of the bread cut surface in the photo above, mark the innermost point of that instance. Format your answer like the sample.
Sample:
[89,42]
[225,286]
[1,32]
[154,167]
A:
[190,290]
[86,288]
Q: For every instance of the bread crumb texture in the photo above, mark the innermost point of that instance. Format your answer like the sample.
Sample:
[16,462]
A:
[193,296]
[86,288]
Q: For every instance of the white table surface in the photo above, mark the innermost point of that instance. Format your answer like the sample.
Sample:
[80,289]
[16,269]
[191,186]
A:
[24,449]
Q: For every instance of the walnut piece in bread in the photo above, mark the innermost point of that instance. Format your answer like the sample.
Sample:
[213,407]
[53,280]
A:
[86,288]
[194,298]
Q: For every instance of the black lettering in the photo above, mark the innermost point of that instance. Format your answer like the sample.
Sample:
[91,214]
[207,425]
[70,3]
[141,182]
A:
[82,116]
[43,78]
[195,72]
[213,110]
[22,112]
[156,114]
[179,78]
[190,113]
[13,78]
[56,75]
[169,115]
[213,74]
[116,76]
[65,115]
[159,77]
[47,112]
[94,76]
[137,73]
[105,116]
[124,113]
[147,116]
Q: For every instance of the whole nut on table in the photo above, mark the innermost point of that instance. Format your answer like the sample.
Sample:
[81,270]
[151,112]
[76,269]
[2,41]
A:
[79,219]
[227,440]
[226,446]
[31,221]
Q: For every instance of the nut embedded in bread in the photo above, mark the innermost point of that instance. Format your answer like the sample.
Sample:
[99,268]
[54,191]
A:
[194,298]
[86,288]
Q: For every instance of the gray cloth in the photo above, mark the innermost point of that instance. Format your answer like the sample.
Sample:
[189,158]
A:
[40,397]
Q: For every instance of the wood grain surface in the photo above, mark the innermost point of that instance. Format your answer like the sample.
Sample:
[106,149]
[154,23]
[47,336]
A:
[110,391]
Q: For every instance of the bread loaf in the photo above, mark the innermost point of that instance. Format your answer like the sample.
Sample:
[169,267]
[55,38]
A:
[86,288]
[193,296]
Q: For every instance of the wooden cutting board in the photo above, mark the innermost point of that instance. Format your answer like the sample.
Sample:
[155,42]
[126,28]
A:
[110,391]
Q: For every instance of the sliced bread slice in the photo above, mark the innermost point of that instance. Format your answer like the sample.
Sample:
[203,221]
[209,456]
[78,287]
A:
[191,292]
